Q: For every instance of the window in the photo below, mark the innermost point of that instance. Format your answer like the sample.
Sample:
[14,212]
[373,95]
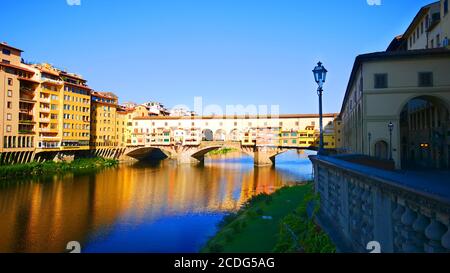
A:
[445,7]
[6,51]
[381,81]
[425,79]
[9,105]
[8,128]
[438,40]
[421,27]
[10,81]
[432,43]
[9,93]
[6,61]
[8,116]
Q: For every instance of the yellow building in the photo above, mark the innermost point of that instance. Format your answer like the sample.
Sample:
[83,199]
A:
[123,126]
[104,132]
[309,138]
[140,111]
[75,103]
[338,133]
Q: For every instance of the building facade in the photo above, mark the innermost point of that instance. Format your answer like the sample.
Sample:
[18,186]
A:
[410,89]
[17,105]
[104,131]
[429,29]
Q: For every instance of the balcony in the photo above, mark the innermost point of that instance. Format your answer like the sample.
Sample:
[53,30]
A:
[44,120]
[26,122]
[49,138]
[27,100]
[46,100]
[26,111]
[44,110]
[56,82]
[26,132]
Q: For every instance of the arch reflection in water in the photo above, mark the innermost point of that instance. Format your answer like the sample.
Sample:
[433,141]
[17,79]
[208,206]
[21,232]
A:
[142,207]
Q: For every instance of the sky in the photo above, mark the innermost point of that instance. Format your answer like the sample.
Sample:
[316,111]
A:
[229,52]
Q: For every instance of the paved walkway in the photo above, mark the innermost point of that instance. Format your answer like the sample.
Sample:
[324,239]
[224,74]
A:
[432,183]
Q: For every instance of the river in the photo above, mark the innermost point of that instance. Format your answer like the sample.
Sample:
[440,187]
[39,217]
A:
[143,207]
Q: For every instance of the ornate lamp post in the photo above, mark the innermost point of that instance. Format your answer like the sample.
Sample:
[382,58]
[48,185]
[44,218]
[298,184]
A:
[320,75]
[391,127]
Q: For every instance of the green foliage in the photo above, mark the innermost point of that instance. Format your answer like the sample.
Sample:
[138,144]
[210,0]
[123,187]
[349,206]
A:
[299,233]
[35,169]
[247,232]
[222,151]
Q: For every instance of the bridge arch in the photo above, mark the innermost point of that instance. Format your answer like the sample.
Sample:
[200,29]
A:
[141,153]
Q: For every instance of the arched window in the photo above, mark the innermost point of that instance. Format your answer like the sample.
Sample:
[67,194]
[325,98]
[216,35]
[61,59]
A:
[381,149]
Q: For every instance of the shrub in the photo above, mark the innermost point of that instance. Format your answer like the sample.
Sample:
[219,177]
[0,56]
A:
[298,232]
[50,167]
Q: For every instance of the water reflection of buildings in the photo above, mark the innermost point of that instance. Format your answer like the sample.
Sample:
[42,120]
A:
[43,217]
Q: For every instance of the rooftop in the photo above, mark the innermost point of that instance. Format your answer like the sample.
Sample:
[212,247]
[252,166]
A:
[5,44]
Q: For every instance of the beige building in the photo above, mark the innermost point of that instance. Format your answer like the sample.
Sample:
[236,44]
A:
[445,22]
[16,106]
[411,89]
[429,29]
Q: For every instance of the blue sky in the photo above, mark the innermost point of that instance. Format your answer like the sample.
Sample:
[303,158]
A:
[227,51]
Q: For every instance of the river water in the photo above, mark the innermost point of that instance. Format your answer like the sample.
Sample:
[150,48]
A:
[142,207]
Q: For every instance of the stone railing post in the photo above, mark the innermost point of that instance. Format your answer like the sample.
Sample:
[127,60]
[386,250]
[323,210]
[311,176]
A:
[383,232]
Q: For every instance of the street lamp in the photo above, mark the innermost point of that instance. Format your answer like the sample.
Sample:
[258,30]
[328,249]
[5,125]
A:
[320,75]
[391,127]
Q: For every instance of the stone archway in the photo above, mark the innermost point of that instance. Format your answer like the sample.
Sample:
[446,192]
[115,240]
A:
[424,139]
[220,135]
[381,149]
[235,135]
[208,135]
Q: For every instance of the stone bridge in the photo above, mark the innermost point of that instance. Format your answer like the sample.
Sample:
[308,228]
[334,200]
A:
[263,155]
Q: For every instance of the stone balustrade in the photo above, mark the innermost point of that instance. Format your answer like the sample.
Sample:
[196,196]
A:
[365,204]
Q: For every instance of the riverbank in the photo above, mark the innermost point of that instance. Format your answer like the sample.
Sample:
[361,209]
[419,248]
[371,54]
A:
[272,223]
[36,169]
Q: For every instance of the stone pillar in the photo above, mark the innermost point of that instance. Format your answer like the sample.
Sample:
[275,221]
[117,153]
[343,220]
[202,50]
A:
[186,158]
[263,157]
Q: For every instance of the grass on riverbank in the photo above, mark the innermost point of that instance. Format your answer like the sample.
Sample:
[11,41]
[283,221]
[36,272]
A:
[271,223]
[35,169]
[223,151]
